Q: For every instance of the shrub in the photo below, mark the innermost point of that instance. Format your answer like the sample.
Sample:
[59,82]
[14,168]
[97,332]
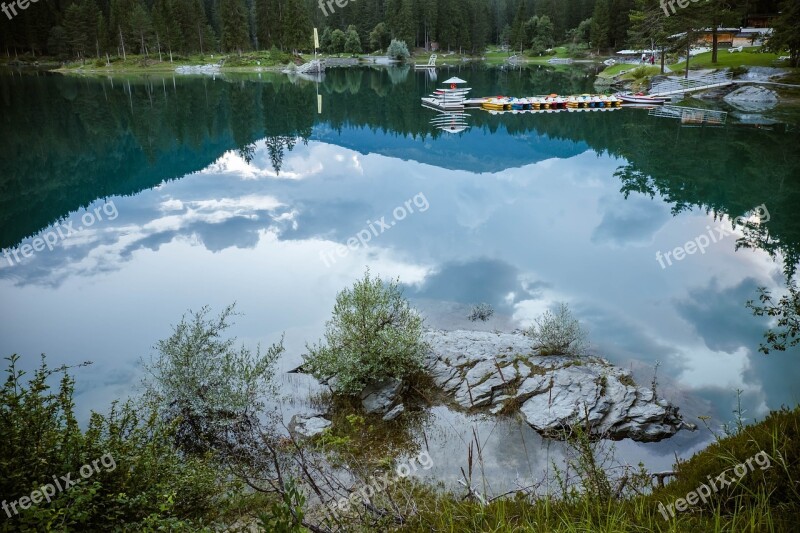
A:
[143,484]
[558,333]
[482,312]
[398,50]
[211,389]
[639,72]
[374,334]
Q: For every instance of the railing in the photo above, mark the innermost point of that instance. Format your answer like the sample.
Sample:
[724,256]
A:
[690,115]
[682,85]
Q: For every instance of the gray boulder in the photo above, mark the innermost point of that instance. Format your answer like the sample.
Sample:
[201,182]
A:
[379,397]
[752,98]
[308,425]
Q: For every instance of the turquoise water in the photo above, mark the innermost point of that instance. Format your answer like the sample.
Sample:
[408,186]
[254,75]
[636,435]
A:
[198,191]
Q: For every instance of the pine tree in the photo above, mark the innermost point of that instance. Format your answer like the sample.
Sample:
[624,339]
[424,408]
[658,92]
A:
[296,26]
[379,37]
[786,32]
[325,41]
[518,37]
[601,25]
[233,21]
[267,23]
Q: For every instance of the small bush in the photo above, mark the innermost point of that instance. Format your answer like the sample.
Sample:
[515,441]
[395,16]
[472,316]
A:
[398,50]
[210,389]
[639,72]
[558,333]
[374,334]
[738,71]
[482,311]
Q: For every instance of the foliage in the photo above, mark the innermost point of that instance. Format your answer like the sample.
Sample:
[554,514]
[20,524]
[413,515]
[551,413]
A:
[352,43]
[379,36]
[338,40]
[786,31]
[233,15]
[143,482]
[481,311]
[787,310]
[558,333]
[540,34]
[285,515]
[210,389]
[762,500]
[325,41]
[374,334]
[398,50]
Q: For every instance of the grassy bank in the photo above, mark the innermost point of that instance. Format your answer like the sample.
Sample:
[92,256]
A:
[748,57]
[252,61]
[763,499]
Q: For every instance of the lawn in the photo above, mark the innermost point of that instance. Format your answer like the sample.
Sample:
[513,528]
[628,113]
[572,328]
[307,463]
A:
[748,57]
[613,70]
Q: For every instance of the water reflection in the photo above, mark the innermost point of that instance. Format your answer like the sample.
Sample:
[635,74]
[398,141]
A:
[230,189]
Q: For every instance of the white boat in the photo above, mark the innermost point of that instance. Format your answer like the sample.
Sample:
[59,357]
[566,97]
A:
[628,98]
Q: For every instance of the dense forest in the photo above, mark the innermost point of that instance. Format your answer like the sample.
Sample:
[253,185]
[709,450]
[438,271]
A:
[163,28]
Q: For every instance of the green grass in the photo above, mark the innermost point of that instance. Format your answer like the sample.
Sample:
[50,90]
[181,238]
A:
[641,72]
[614,70]
[138,63]
[761,500]
[748,57]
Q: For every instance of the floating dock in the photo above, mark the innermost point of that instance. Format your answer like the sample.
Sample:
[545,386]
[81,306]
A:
[551,102]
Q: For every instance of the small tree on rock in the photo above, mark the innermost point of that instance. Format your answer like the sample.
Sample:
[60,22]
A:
[558,333]
[374,334]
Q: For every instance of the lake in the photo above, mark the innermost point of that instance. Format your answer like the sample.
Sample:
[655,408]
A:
[127,201]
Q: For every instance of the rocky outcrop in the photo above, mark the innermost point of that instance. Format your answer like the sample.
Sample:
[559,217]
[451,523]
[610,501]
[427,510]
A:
[501,373]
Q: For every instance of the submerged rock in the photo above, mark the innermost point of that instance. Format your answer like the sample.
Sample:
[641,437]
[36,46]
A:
[394,413]
[752,98]
[308,425]
[500,371]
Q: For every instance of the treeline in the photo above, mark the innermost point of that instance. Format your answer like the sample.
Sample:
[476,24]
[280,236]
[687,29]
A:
[94,28]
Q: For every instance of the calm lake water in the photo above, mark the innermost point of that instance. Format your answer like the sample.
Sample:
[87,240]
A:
[194,191]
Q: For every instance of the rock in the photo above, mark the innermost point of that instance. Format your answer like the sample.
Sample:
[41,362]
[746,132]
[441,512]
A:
[762,73]
[752,98]
[494,370]
[308,425]
[198,69]
[378,397]
[394,413]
